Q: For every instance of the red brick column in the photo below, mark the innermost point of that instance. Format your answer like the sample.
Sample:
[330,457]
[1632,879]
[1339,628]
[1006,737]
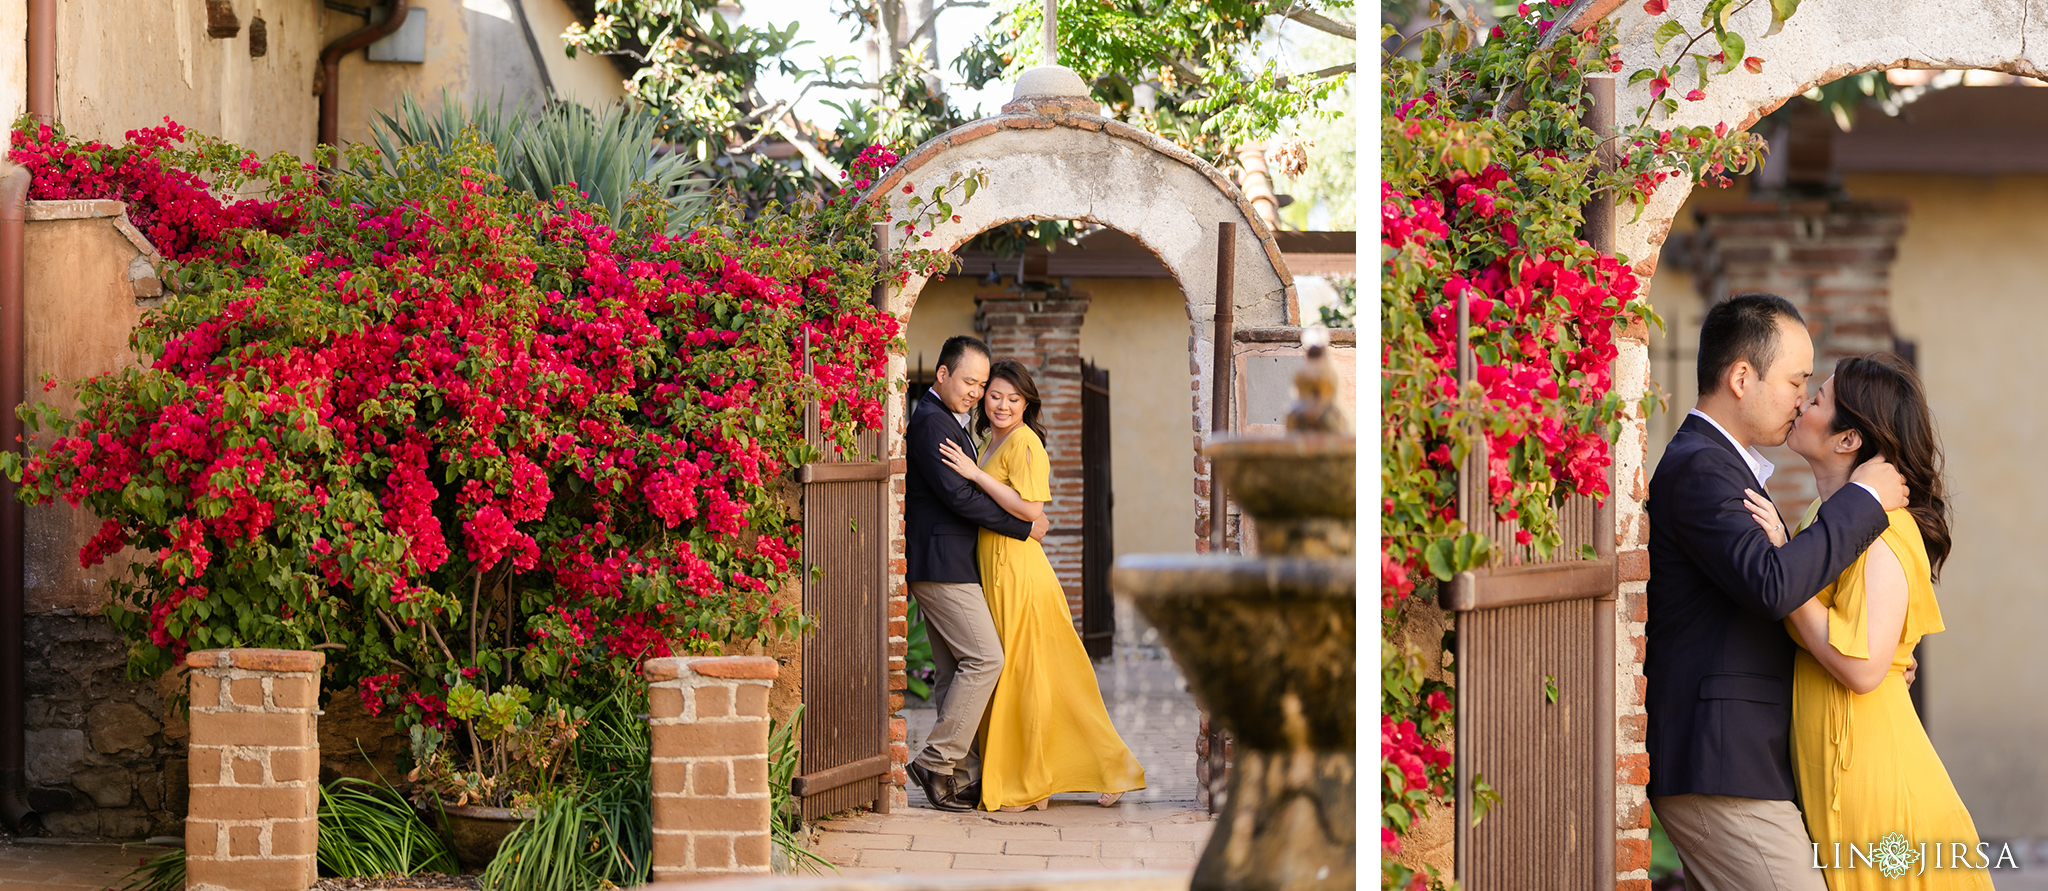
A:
[710,754]
[1832,260]
[1042,329]
[252,824]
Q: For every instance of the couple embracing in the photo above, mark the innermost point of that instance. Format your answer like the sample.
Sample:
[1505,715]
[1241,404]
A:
[1020,715]
[1778,656]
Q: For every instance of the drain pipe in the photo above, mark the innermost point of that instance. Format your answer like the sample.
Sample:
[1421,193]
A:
[42,105]
[326,82]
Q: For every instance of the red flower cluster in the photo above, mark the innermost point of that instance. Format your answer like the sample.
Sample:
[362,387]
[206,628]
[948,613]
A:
[376,403]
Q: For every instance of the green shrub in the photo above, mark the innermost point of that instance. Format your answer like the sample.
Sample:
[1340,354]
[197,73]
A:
[368,829]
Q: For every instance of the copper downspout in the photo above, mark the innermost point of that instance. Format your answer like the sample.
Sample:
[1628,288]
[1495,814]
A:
[326,83]
[42,105]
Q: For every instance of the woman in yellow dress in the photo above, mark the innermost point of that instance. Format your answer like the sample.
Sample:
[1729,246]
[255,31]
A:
[1046,731]
[1879,806]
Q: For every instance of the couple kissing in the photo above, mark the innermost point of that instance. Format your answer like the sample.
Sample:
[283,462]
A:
[1778,658]
[1020,715]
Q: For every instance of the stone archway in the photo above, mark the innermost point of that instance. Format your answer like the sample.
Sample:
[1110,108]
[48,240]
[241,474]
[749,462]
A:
[1822,43]
[1050,156]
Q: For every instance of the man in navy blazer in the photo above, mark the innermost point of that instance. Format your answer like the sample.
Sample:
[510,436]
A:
[943,515]
[1718,658]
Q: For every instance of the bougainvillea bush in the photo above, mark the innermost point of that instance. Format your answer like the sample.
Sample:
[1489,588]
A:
[463,438]
[1486,169]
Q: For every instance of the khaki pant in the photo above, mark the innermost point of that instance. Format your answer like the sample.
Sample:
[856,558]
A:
[969,658]
[1740,844]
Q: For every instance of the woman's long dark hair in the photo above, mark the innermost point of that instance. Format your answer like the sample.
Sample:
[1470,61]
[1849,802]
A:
[1880,397]
[1013,371]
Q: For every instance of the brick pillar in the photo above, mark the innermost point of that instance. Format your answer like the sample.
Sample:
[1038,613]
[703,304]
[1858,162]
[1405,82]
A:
[1042,329]
[1832,259]
[255,762]
[710,753]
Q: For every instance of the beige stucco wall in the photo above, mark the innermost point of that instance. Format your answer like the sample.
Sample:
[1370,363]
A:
[1138,329]
[1967,288]
[79,308]
[122,66]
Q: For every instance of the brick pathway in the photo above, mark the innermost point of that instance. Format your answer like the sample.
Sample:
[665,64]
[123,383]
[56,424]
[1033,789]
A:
[1157,827]
[1069,835]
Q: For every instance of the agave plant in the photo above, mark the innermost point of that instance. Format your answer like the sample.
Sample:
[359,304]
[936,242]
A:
[611,154]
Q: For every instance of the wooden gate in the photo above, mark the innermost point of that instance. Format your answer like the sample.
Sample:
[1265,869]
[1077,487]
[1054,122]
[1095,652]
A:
[1098,503]
[1535,670]
[845,738]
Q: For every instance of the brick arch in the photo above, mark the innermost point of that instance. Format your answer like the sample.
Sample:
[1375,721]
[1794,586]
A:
[1822,43]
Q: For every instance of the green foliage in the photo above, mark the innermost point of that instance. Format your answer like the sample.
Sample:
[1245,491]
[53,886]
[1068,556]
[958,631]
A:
[614,759]
[1200,59]
[917,654]
[785,814]
[612,155]
[163,872]
[561,849]
[369,829]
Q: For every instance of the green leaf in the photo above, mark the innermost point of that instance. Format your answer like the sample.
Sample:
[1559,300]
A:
[1780,11]
[1550,689]
[1640,76]
[1438,555]
[1667,31]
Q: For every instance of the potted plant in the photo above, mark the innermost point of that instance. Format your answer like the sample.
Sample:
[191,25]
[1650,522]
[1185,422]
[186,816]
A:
[515,754]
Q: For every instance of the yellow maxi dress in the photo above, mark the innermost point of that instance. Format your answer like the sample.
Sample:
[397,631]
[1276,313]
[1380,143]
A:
[1046,730]
[1864,765]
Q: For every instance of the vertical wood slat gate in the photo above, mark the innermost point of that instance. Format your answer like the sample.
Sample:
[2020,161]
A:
[1535,667]
[844,760]
[1098,502]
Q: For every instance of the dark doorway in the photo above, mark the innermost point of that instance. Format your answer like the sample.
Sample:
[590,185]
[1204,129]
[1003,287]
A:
[1098,502]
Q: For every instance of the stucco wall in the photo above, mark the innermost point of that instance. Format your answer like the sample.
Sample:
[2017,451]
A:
[121,66]
[1966,288]
[1138,329]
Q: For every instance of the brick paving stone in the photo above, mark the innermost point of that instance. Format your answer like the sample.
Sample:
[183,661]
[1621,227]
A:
[1044,833]
[1042,848]
[1187,832]
[956,845]
[909,861]
[1006,862]
[1149,850]
[863,841]
[1106,833]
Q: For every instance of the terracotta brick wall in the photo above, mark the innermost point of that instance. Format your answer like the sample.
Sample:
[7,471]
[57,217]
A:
[710,754]
[1832,260]
[1043,331]
[1631,544]
[255,759]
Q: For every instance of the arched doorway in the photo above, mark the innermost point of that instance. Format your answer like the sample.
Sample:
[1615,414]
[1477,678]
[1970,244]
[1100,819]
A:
[1048,156]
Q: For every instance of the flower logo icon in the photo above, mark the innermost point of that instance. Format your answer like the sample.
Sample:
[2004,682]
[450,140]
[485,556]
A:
[1894,855]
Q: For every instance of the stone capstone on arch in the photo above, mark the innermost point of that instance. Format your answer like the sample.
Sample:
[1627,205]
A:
[1052,158]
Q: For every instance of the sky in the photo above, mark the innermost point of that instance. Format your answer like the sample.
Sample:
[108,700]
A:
[818,22]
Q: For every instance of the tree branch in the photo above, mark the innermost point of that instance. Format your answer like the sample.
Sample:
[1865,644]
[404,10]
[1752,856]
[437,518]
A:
[1322,23]
[928,29]
[1280,83]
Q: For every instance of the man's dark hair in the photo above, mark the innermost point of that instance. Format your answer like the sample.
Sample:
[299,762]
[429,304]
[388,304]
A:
[957,346]
[1743,327]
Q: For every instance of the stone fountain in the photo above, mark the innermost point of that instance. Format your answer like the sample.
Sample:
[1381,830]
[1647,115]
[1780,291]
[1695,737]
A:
[1267,643]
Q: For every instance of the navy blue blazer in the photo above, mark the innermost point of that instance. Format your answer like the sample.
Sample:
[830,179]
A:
[1719,660]
[942,510]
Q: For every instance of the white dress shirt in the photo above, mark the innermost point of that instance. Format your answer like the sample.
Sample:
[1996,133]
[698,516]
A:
[1758,464]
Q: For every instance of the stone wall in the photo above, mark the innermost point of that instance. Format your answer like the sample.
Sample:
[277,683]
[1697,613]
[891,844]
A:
[105,759]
